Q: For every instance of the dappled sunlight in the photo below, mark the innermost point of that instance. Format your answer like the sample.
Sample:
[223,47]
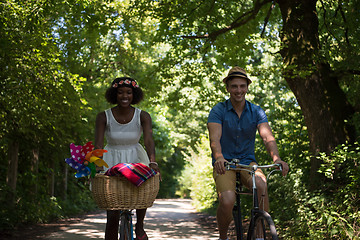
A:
[175,219]
[91,227]
[167,219]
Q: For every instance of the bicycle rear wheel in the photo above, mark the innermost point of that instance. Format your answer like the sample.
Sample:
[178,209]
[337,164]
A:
[262,226]
[125,226]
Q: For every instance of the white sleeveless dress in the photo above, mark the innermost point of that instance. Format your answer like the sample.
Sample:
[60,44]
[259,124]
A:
[123,141]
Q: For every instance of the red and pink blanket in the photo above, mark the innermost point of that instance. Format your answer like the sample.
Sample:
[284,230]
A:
[136,173]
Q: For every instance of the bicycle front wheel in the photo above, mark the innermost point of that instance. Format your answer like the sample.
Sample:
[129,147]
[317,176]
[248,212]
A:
[262,226]
[125,227]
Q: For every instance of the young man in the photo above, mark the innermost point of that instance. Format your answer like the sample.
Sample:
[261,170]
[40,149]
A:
[232,129]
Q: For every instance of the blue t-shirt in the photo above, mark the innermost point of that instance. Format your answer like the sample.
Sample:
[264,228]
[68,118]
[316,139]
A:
[238,135]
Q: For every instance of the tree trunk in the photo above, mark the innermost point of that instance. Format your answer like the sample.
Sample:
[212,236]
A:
[315,86]
[65,181]
[35,168]
[13,164]
[51,178]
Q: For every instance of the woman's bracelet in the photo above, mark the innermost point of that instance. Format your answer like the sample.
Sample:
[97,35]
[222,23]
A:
[154,163]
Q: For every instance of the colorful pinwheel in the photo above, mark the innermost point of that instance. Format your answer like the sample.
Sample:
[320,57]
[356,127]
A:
[84,159]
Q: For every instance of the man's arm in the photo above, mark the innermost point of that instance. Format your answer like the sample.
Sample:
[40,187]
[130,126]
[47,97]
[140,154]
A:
[270,144]
[215,132]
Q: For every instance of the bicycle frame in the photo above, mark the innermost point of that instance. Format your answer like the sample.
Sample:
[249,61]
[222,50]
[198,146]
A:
[235,165]
[237,209]
[126,227]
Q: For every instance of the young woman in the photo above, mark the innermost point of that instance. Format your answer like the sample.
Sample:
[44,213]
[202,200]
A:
[123,125]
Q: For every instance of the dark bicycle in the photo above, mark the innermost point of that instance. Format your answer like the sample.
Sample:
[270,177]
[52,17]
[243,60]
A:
[261,224]
[126,227]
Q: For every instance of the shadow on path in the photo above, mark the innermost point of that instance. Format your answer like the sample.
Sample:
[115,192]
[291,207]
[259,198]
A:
[167,219]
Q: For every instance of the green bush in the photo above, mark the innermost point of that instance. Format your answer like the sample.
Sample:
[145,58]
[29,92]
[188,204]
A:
[197,177]
[30,208]
[333,211]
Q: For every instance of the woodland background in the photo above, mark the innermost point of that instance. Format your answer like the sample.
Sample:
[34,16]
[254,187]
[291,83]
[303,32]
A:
[58,57]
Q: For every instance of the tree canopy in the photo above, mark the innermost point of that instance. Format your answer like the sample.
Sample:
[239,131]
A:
[58,57]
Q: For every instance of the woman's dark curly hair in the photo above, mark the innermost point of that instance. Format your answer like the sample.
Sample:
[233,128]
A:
[111,92]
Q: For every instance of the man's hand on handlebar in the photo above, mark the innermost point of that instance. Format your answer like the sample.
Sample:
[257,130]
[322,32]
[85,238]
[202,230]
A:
[285,166]
[219,165]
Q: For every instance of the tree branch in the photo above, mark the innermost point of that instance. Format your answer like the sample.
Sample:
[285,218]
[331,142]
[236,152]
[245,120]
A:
[267,18]
[241,20]
[344,18]
[193,10]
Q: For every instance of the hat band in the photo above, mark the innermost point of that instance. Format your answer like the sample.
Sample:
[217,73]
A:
[238,73]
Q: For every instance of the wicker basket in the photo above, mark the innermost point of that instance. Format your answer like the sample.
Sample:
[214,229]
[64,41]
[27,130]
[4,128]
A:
[117,193]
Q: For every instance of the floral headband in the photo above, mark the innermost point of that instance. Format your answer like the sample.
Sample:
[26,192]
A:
[129,81]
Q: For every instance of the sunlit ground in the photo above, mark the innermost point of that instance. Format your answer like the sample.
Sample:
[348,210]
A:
[167,219]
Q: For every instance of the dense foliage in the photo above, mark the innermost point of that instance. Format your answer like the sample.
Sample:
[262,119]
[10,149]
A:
[58,57]
[42,110]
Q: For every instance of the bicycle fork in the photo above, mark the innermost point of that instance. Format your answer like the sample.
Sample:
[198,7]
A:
[126,226]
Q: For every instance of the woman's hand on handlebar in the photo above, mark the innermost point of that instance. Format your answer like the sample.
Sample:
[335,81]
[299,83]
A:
[219,165]
[99,169]
[155,167]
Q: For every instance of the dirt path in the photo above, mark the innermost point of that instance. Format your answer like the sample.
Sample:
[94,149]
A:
[167,219]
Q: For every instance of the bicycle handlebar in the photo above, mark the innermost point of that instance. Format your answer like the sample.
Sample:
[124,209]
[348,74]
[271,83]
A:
[235,164]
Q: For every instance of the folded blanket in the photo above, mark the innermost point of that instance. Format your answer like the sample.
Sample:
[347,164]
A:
[136,173]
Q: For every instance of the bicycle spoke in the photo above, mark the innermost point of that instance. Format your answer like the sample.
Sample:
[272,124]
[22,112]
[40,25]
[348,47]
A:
[262,227]
[125,226]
